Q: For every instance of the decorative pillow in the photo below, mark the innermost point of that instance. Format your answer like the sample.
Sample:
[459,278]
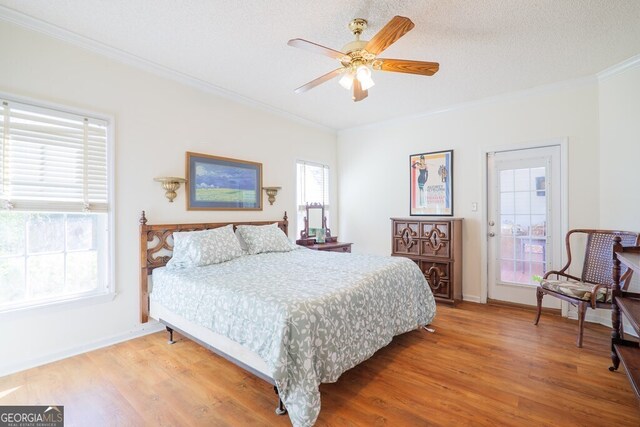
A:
[198,248]
[264,238]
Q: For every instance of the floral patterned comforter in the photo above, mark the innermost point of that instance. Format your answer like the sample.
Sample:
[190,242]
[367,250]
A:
[310,315]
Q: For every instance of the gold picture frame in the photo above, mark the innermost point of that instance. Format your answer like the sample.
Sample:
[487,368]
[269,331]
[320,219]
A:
[222,183]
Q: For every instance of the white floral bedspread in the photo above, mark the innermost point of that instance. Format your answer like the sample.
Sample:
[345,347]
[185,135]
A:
[310,315]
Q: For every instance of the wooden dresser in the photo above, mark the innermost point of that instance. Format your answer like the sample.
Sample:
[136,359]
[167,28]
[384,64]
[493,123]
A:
[435,244]
[331,247]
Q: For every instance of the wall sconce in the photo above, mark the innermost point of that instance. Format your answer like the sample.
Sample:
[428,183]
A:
[271,192]
[170,184]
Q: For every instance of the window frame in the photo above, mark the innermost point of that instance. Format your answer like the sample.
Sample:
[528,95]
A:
[108,293]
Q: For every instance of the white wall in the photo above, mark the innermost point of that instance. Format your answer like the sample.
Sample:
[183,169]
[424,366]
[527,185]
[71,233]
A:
[620,150]
[156,121]
[152,113]
[374,172]
[620,153]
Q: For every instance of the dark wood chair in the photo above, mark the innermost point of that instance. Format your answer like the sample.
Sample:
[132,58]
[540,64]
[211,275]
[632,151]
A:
[593,287]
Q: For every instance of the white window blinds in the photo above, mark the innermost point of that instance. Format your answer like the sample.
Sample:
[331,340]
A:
[52,160]
[313,184]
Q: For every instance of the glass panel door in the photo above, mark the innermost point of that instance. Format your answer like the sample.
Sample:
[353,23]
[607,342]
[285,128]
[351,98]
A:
[524,216]
[523,219]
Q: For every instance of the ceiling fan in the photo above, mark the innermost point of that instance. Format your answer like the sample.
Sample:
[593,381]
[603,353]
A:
[359,57]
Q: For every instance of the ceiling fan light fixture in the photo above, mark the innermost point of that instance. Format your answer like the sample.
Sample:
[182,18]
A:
[367,83]
[346,81]
[363,74]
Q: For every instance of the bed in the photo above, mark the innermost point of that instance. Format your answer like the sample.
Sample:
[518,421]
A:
[295,318]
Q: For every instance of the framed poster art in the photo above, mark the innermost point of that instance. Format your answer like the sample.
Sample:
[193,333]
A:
[431,188]
[220,183]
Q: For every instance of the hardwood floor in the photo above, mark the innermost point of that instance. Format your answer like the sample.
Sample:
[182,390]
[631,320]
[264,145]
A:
[485,365]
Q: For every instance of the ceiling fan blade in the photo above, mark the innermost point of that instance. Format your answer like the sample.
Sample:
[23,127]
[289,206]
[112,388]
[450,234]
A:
[358,93]
[319,80]
[389,34]
[409,67]
[314,47]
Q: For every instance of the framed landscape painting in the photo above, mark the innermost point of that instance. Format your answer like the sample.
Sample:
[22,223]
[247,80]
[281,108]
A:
[219,183]
[431,188]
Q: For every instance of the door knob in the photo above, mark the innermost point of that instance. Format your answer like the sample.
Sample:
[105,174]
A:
[492,234]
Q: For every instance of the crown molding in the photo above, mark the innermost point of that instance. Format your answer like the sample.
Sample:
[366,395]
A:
[59,33]
[626,65]
[623,66]
[505,97]
[31,23]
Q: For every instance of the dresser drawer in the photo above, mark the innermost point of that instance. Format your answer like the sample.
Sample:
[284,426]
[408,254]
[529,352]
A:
[346,248]
[438,277]
[401,246]
[439,249]
[439,229]
[401,227]
[434,271]
[405,238]
[441,290]
[331,247]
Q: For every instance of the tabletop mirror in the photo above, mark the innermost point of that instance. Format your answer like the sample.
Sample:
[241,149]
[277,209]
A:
[314,221]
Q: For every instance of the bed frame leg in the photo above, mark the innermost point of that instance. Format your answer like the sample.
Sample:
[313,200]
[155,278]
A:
[280,410]
[171,341]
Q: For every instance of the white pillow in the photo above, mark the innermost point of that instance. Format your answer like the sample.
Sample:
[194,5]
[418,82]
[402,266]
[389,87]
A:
[199,248]
[264,238]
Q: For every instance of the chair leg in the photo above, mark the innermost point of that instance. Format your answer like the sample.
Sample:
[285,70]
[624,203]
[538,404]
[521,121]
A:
[539,295]
[582,311]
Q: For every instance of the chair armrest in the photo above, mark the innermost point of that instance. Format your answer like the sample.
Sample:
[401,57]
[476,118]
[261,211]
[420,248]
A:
[549,273]
[560,273]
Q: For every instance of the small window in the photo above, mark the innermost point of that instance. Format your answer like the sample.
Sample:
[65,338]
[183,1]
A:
[313,187]
[54,224]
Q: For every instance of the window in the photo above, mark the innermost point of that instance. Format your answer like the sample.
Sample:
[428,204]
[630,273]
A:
[54,224]
[313,187]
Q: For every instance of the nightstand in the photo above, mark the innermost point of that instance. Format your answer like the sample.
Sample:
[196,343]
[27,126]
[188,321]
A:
[331,247]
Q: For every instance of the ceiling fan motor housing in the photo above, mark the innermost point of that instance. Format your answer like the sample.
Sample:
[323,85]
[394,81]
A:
[357,26]
[354,46]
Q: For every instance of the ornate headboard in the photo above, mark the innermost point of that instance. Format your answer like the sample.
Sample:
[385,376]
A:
[156,246]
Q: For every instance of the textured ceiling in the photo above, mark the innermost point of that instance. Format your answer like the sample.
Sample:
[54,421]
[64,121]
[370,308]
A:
[485,48]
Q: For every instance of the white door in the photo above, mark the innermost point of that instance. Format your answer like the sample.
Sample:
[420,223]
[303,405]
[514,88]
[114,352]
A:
[524,229]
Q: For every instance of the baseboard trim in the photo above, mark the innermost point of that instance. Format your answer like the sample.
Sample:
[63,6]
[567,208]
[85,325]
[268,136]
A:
[142,330]
[592,316]
[471,298]
[545,310]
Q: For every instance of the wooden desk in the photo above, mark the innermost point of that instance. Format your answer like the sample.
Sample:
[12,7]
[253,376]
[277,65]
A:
[625,350]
